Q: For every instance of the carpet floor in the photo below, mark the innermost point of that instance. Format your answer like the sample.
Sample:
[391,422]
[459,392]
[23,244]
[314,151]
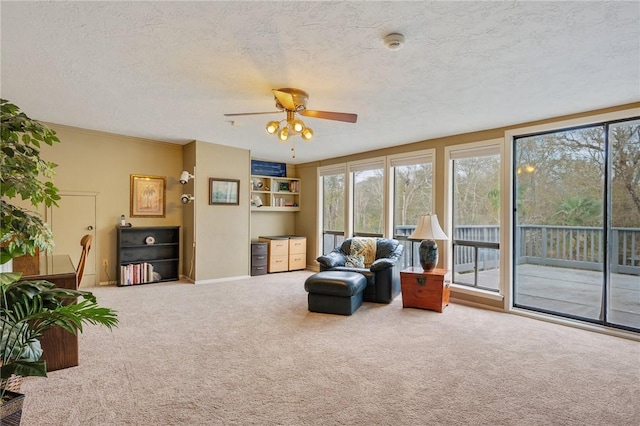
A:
[248,352]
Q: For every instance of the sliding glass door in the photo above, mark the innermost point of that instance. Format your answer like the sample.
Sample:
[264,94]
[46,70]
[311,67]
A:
[623,294]
[576,223]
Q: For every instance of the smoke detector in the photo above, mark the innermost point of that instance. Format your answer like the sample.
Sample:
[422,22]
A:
[394,41]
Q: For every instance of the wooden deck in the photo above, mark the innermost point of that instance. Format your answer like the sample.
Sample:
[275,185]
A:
[571,291]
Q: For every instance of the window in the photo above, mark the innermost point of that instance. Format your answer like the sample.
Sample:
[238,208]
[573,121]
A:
[333,192]
[475,195]
[368,198]
[412,197]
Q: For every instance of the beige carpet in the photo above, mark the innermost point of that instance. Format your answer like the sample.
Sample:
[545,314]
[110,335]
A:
[249,353]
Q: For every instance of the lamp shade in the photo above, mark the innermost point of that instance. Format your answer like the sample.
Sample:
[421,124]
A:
[428,229]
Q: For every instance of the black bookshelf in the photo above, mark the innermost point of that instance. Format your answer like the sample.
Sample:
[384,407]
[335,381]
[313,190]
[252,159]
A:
[142,249]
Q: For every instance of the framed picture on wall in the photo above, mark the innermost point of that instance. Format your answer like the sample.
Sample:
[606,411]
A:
[224,191]
[147,196]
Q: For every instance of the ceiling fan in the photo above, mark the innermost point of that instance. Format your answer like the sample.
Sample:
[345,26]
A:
[294,101]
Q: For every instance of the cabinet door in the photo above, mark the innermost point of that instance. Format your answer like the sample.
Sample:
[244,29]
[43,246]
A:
[279,248]
[278,263]
[297,261]
[297,246]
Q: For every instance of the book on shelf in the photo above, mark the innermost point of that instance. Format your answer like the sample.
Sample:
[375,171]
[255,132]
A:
[136,273]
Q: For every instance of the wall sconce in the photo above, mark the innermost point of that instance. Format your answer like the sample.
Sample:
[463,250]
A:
[185,176]
[187,198]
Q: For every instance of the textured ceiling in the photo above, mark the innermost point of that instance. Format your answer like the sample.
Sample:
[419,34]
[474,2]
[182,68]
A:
[170,70]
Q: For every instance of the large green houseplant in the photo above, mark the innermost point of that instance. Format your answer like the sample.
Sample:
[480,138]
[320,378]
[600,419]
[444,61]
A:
[29,308]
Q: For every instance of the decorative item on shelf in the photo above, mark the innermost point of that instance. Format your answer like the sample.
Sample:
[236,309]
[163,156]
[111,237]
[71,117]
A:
[256,201]
[150,240]
[428,230]
[284,187]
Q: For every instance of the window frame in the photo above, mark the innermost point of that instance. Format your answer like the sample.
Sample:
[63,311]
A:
[375,163]
[335,169]
[425,156]
[469,150]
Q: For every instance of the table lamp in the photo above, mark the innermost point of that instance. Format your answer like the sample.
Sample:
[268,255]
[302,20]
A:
[428,230]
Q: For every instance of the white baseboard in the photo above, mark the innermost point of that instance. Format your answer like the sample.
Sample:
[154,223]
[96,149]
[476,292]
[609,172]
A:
[221,280]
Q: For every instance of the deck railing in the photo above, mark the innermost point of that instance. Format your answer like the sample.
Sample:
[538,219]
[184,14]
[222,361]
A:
[578,247]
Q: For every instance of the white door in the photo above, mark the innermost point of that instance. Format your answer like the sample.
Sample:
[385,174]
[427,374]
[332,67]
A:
[74,218]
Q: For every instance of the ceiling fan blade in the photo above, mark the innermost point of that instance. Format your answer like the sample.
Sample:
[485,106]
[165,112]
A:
[330,115]
[285,99]
[252,113]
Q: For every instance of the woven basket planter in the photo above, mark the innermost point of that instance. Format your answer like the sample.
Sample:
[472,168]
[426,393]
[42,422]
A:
[11,409]
[14,383]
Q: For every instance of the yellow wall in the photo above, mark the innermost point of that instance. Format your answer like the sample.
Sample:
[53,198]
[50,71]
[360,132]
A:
[265,223]
[102,163]
[221,232]
[97,162]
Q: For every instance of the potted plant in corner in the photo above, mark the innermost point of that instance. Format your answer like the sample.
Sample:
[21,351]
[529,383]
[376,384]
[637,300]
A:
[29,308]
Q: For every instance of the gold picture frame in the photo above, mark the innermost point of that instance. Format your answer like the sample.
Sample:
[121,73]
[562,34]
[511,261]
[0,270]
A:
[148,196]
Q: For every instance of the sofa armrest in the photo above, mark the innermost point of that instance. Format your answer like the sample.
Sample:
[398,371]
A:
[382,264]
[332,260]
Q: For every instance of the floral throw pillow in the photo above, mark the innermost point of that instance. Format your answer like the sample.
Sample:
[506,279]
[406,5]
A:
[363,252]
[365,247]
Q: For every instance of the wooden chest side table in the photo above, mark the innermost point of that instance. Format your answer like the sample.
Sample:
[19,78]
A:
[425,290]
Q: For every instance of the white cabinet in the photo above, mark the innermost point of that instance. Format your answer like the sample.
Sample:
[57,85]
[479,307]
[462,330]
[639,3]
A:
[270,193]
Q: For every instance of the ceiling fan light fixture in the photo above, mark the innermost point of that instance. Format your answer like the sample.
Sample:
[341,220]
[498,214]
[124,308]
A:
[284,134]
[306,134]
[272,127]
[293,102]
[297,125]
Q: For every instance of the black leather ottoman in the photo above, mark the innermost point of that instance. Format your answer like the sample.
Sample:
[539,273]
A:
[335,292]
